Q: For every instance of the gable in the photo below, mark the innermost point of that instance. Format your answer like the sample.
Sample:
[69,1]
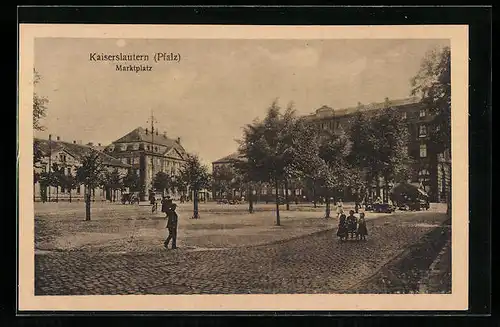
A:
[174,154]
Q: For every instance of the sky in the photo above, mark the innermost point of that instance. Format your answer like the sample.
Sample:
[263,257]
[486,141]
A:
[216,88]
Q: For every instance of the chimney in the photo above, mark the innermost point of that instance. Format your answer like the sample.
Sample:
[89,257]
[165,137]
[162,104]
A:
[98,144]
[74,142]
[146,131]
[157,132]
[50,136]
[58,138]
[90,144]
[178,140]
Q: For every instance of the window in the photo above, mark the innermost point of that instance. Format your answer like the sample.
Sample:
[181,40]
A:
[62,157]
[123,147]
[69,171]
[149,148]
[423,150]
[423,113]
[136,146]
[263,191]
[422,131]
[78,189]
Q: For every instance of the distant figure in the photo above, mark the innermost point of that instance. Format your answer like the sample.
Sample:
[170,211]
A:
[352,224]
[172,227]
[340,208]
[362,230]
[342,231]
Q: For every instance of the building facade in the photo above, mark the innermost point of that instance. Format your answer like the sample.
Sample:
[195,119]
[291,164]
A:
[68,157]
[429,169]
[149,152]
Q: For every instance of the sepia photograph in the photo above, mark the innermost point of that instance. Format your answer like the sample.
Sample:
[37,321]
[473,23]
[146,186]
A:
[244,166]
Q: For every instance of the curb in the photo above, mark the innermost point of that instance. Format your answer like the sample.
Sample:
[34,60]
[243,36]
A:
[433,272]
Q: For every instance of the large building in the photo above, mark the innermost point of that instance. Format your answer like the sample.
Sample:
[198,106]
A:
[68,156]
[430,170]
[148,152]
[428,167]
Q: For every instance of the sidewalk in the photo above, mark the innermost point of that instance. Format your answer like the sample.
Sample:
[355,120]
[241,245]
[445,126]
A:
[439,276]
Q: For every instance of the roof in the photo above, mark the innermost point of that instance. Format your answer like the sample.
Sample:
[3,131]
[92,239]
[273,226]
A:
[230,158]
[139,135]
[327,111]
[78,151]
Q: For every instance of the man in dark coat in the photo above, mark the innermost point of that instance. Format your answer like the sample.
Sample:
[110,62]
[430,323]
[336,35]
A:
[172,226]
[166,203]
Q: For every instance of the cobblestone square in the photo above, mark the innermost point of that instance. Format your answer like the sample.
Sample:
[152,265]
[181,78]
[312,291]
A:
[226,251]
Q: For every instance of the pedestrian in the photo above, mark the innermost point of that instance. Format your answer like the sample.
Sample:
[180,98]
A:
[340,208]
[166,203]
[342,228]
[172,227]
[352,223]
[362,230]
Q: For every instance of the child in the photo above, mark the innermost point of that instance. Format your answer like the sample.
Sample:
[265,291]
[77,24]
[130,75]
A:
[352,223]
[362,231]
[342,231]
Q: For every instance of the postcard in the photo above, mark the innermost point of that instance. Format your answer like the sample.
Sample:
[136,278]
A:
[256,168]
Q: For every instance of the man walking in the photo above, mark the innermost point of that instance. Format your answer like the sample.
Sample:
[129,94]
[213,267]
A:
[172,227]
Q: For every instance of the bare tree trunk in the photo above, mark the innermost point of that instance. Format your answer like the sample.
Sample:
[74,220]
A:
[286,195]
[314,195]
[69,195]
[327,208]
[277,203]
[87,206]
[57,193]
[195,205]
[250,200]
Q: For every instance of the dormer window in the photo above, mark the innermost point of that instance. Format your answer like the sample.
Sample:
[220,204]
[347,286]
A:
[123,147]
[423,113]
[111,148]
[136,146]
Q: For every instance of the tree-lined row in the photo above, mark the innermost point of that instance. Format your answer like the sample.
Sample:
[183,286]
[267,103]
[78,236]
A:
[283,148]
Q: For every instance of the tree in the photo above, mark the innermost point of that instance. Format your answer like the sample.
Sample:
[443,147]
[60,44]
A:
[112,181]
[70,182]
[432,84]
[58,179]
[391,137]
[266,146]
[132,181]
[162,182]
[334,172]
[90,175]
[196,176]
[39,105]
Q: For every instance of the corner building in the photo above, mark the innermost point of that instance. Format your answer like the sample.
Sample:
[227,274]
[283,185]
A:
[430,170]
[149,152]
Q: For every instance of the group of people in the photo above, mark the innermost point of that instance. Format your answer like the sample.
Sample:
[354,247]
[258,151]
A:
[168,207]
[352,227]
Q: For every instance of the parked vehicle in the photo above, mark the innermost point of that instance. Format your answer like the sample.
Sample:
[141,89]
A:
[130,198]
